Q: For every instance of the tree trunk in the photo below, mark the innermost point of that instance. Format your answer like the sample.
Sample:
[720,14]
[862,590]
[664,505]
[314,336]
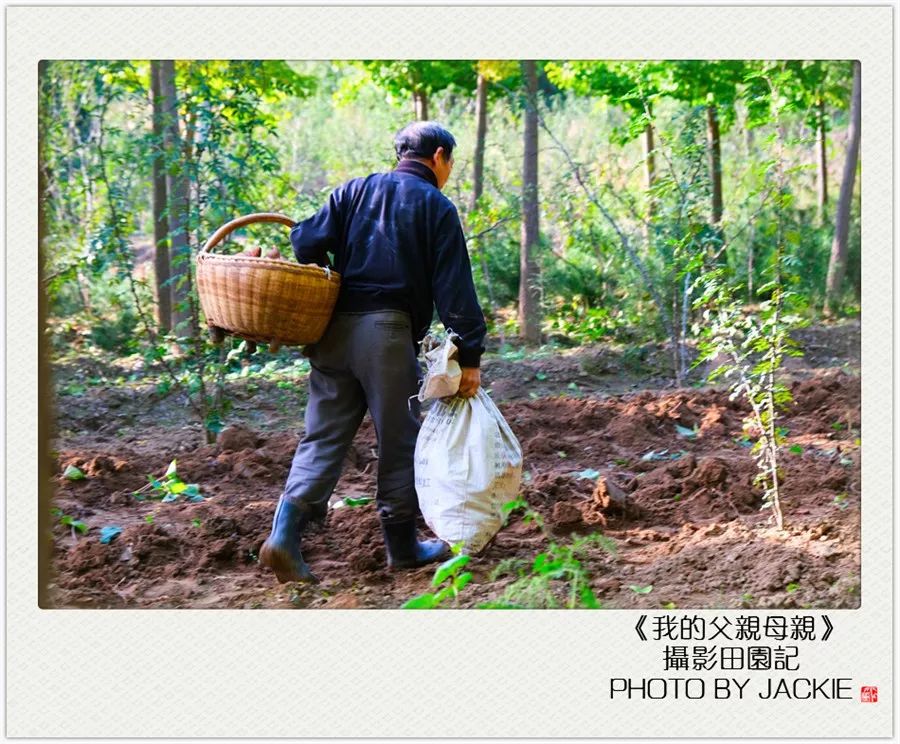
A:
[161,263]
[822,170]
[649,178]
[478,176]
[177,189]
[715,162]
[420,100]
[529,291]
[193,187]
[480,135]
[837,265]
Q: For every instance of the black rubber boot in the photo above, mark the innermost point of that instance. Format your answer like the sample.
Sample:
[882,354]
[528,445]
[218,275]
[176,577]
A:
[281,552]
[312,518]
[404,549]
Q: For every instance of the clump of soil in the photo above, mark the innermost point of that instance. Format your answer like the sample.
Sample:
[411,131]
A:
[236,438]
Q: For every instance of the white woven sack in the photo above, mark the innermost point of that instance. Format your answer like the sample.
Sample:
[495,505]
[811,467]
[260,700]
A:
[468,464]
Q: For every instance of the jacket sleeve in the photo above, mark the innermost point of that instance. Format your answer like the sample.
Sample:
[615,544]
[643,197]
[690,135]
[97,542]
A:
[454,290]
[315,237]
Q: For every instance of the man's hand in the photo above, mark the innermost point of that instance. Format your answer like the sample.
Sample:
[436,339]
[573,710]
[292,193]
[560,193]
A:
[470,382]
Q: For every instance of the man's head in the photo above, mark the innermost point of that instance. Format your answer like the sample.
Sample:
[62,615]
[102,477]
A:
[428,143]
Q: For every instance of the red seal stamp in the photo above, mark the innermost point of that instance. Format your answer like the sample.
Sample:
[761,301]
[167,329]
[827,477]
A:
[868,694]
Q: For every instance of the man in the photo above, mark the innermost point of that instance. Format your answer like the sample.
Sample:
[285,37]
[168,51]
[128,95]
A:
[398,245]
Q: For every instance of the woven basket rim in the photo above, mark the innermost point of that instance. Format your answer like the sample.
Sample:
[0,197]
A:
[270,263]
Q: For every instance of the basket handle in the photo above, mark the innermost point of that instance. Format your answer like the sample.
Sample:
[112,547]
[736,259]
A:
[247,219]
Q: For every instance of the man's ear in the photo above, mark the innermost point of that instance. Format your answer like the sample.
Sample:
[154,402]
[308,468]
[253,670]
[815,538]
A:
[439,153]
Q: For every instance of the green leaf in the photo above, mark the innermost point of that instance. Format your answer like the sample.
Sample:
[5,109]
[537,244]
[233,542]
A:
[177,487]
[685,432]
[77,524]
[448,568]
[195,522]
[796,449]
[641,589]
[445,593]
[73,473]
[540,376]
[589,599]
[460,582]
[169,498]
[556,569]
[172,469]
[195,384]
[109,533]
[792,587]
[511,506]
[214,423]
[192,493]
[422,602]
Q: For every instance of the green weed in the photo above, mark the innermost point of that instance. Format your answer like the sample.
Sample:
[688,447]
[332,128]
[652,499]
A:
[449,580]
[169,487]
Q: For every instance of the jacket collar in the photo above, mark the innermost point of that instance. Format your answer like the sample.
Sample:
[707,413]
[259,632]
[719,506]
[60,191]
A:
[416,168]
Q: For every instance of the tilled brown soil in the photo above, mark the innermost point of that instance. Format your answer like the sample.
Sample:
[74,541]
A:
[682,511]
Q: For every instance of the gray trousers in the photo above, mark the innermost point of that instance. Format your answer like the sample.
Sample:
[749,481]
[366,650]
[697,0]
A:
[365,361]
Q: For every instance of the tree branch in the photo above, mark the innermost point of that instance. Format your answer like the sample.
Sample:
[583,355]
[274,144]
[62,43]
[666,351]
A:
[488,229]
[121,244]
[623,238]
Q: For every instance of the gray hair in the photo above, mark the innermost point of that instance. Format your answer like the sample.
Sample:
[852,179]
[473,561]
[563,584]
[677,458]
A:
[421,139]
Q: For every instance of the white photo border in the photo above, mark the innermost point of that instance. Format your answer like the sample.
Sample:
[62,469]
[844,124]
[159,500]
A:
[237,673]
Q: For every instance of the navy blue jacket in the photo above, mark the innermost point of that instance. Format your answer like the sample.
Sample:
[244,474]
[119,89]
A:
[397,243]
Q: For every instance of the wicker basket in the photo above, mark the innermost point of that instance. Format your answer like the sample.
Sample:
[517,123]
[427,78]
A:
[262,299]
